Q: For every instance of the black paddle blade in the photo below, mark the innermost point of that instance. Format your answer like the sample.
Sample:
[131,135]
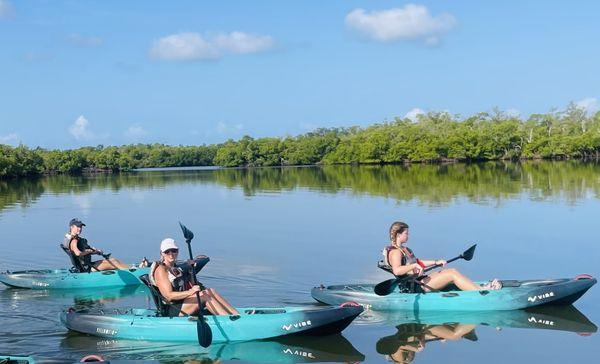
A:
[187,233]
[204,333]
[468,254]
[386,287]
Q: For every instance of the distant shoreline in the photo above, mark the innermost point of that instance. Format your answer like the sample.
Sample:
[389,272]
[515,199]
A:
[436,137]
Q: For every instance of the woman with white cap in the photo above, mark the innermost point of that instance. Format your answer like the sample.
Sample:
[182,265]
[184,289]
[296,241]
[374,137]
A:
[179,293]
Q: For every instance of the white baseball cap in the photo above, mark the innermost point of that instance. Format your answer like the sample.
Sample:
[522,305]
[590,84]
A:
[167,244]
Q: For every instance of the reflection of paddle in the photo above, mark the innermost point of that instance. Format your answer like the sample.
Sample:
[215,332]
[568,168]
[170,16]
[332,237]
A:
[204,331]
[386,287]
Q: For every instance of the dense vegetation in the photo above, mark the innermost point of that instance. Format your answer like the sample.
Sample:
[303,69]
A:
[568,134]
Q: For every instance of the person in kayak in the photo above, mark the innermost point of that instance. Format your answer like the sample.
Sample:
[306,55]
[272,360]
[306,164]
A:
[175,287]
[403,262]
[79,247]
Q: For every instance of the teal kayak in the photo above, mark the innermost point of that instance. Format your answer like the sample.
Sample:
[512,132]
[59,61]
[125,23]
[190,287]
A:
[513,296]
[64,279]
[253,323]
[289,349]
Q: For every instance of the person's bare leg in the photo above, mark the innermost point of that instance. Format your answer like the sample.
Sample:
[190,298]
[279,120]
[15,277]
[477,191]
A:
[451,333]
[443,278]
[230,309]
[214,306]
[110,264]
[189,307]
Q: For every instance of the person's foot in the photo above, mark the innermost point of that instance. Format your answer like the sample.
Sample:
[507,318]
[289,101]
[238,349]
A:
[144,263]
[492,285]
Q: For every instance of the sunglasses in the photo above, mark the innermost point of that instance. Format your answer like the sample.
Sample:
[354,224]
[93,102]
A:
[171,251]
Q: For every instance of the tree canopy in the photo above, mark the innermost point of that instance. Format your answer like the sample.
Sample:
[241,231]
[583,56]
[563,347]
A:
[434,137]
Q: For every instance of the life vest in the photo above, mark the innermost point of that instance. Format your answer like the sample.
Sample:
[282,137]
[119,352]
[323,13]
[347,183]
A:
[177,277]
[84,260]
[406,258]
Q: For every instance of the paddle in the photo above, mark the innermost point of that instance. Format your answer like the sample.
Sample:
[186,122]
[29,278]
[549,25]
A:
[386,287]
[204,331]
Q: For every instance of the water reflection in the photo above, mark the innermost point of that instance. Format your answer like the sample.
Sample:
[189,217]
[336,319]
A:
[300,349]
[428,184]
[416,331]
[82,298]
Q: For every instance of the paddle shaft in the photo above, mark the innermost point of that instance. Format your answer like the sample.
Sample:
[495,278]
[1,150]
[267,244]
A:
[194,280]
[441,265]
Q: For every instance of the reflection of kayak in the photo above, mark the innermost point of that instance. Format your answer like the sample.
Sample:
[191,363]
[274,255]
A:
[251,324]
[514,295]
[294,349]
[416,330]
[64,279]
[15,359]
[76,294]
[561,318]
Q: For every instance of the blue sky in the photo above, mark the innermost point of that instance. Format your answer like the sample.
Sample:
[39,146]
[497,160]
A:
[77,73]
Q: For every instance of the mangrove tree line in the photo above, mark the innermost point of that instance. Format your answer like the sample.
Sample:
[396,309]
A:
[435,136]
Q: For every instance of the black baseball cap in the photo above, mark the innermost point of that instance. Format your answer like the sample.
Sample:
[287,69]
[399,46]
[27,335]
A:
[76,222]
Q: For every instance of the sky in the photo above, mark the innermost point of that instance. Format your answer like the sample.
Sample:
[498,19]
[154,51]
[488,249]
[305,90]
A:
[77,73]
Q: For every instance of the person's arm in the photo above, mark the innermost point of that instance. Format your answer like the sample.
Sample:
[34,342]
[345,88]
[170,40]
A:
[395,259]
[76,251]
[161,276]
[433,262]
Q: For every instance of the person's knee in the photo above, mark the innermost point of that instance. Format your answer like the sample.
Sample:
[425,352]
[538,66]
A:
[452,271]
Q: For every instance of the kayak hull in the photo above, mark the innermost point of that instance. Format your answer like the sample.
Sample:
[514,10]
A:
[514,295]
[63,279]
[251,324]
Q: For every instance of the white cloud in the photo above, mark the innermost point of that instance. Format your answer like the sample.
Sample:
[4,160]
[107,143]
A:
[412,22]
[84,41]
[136,131]
[243,43]
[80,129]
[223,128]
[589,104]
[183,47]
[413,114]
[513,113]
[6,9]
[11,138]
[194,46]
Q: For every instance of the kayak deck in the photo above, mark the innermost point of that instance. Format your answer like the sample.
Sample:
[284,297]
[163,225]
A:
[252,323]
[64,279]
[514,295]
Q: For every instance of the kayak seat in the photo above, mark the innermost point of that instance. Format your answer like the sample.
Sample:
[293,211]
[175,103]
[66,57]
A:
[159,300]
[77,266]
[385,267]
[163,310]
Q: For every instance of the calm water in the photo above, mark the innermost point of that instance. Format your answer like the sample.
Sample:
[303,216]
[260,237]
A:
[274,233]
